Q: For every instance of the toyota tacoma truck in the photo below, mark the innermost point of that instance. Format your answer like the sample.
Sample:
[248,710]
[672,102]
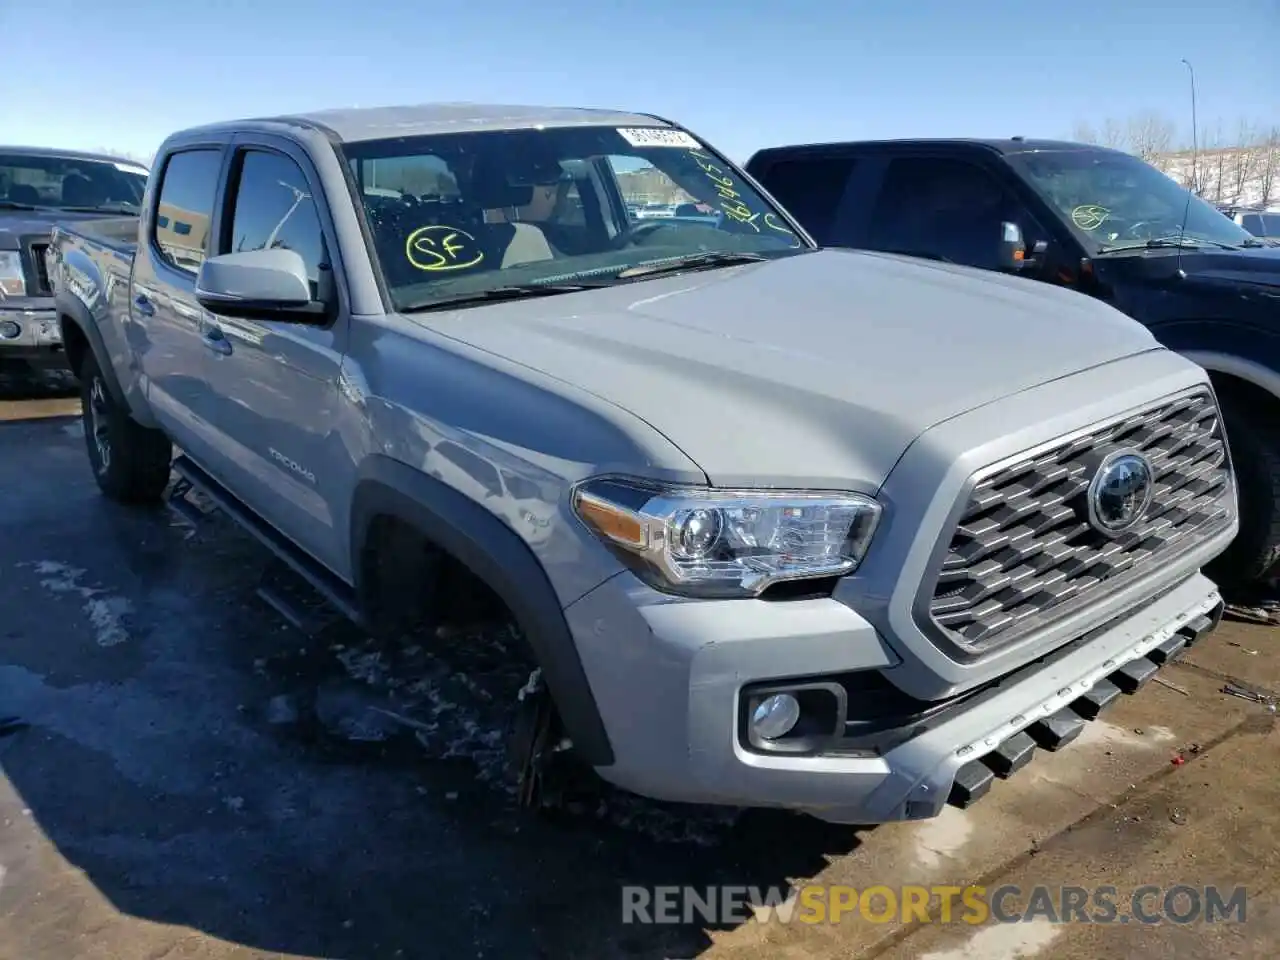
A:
[39,187]
[1089,219]
[768,537]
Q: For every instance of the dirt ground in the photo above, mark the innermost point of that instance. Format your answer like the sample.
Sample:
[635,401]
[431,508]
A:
[192,778]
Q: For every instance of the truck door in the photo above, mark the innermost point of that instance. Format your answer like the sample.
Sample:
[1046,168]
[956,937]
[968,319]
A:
[166,322]
[273,386]
[949,208]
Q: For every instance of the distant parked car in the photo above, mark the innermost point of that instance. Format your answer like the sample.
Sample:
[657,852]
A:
[1257,220]
[38,188]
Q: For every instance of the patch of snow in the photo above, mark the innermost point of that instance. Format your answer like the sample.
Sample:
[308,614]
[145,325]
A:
[106,612]
[943,836]
[1003,941]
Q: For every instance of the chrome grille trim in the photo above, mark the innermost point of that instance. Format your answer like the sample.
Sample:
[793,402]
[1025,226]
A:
[1021,553]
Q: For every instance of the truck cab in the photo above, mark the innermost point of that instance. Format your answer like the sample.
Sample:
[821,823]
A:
[1093,220]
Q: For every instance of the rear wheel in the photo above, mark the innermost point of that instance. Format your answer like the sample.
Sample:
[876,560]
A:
[1253,556]
[130,462]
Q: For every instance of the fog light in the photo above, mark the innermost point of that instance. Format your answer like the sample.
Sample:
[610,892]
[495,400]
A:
[9,330]
[775,716]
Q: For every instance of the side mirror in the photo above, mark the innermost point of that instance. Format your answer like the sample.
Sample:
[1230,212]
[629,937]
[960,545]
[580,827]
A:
[259,285]
[1013,249]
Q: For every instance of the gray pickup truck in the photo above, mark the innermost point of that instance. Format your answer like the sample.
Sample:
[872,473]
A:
[847,533]
[40,187]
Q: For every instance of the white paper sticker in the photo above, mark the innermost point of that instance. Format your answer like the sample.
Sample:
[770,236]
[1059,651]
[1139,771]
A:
[133,168]
[658,137]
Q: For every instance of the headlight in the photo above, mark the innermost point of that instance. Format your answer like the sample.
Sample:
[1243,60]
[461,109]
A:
[727,543]
[13,282]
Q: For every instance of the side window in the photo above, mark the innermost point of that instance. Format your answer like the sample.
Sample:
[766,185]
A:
[184,208]
[811,191]
[946,208]
[274,210]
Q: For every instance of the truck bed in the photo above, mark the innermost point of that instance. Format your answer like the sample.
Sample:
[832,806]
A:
[119,234]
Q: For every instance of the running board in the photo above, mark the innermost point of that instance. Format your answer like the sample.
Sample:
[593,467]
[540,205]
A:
[333,590]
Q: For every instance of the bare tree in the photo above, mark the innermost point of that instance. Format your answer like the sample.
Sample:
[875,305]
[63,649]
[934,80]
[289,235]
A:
[1269,164]
[1214,145]
[1113,134]
[1083,132]
[1242,164]
[1149,136]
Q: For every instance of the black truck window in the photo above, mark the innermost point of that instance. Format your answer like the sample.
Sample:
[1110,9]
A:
[274,210]
[945,208]
[185,206]
[811,190]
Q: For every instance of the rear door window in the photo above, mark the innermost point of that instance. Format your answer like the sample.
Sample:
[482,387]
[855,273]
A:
[811,189]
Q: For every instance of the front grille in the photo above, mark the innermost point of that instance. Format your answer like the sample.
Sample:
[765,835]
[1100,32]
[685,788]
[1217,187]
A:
[40,268]
[1024,553]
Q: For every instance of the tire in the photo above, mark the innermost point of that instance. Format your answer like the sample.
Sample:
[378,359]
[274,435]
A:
[1255,452]
[130,462]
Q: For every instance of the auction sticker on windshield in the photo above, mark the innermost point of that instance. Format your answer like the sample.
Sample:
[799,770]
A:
[658,137]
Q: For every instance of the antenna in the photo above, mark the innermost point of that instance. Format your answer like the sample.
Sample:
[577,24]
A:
[1195,156]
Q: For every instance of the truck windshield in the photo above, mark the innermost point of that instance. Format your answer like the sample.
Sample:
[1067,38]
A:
[60,183]
[457,214]
[1118,200]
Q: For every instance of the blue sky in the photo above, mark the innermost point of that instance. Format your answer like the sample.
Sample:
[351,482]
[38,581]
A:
[741,73]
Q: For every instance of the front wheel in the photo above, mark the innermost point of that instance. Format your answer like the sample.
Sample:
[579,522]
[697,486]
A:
[1255,453]
[130,462]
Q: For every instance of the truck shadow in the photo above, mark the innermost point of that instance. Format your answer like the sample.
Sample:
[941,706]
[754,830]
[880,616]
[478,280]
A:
[208,767]
[21,381]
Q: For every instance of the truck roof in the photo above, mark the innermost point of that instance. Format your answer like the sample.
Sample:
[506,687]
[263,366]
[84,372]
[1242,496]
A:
[29,151]
[354,124]
[1004,146]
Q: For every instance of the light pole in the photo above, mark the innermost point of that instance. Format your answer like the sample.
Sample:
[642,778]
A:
[298,197]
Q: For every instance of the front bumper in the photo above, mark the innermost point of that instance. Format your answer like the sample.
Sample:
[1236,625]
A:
[669,676]
[27,331]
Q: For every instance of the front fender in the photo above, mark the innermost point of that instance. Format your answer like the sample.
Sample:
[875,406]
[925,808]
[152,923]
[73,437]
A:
[1221,346]
[495,553]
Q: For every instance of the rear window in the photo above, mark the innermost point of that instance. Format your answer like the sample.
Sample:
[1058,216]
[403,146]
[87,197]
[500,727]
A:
[811,189]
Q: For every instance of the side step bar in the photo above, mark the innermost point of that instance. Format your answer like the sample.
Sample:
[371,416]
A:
[338,594]
[974,779]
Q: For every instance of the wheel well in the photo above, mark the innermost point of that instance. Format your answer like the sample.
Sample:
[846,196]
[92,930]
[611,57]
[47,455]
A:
[74,342]
[408,581]
[1245,395]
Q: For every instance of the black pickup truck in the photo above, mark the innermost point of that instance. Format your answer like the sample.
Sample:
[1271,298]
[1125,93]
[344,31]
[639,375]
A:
[1096,220]
[38,188]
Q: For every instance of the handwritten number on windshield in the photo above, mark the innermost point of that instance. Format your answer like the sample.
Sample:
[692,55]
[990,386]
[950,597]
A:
[731,201]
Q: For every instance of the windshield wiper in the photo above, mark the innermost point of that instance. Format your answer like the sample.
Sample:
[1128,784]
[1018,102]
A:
[694,261]
[121,207]
[1160,243]
[517,291]
[15,205]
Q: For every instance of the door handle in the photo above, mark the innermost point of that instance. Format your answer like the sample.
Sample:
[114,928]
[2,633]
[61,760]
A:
[144,306]
[216,341]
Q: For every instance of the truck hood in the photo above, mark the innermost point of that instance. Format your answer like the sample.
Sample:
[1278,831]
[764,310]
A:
[818,368]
